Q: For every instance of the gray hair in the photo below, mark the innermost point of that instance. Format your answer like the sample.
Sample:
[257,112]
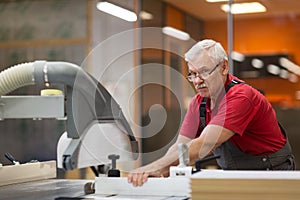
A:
[214,50]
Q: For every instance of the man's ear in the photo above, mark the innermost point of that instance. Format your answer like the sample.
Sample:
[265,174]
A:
[225,67]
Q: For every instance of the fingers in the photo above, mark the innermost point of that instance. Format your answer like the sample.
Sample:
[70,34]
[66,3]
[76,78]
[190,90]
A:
[137,179]
[145,177]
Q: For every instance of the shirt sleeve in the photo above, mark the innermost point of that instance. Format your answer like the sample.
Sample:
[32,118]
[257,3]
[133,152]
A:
[189,127]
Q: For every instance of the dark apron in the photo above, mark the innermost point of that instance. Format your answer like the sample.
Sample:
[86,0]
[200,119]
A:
[232,158]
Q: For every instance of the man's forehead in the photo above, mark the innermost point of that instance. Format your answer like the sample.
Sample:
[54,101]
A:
[200,61]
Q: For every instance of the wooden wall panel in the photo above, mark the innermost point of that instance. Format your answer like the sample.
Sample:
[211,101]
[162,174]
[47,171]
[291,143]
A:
[174,17]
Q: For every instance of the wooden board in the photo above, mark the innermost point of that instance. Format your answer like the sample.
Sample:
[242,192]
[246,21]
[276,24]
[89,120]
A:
[246,185]
[27,172]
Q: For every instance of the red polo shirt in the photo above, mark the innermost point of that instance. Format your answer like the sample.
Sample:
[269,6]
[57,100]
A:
[246,112]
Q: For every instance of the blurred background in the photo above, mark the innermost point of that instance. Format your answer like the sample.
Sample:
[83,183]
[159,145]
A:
[140,61]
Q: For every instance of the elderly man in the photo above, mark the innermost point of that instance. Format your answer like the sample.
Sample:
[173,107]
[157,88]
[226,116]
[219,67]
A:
[226,117]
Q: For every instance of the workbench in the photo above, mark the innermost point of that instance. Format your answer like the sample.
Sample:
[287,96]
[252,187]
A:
[49,189]
[38,181]
[56,189]
[205,185]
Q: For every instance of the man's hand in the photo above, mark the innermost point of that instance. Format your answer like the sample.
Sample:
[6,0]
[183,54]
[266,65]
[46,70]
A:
[160,167]
[140,175]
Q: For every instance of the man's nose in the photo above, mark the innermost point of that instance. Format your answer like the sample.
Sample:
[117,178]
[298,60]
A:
[198,79]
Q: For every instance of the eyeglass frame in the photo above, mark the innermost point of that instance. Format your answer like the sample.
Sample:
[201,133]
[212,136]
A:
[191,79]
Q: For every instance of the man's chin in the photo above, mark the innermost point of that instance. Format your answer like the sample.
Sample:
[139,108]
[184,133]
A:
[203,92]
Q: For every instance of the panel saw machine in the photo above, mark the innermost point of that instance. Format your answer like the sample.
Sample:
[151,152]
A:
[95,123]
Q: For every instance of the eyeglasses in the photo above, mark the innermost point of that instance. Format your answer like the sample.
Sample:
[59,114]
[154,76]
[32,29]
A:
[204,74]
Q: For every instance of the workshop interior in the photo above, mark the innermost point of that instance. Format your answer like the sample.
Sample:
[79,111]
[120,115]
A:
[87,92]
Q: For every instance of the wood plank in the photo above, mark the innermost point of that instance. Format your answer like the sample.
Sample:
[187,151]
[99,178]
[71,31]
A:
[27,172]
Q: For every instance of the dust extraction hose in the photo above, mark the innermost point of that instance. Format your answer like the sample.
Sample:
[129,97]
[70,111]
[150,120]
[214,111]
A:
[15,77]
[42,72]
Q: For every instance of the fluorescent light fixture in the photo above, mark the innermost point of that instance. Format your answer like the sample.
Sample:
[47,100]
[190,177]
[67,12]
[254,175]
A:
[117,11]
[284,74]
[243,8]
[273,69]
[175,33]
[289,65]
[237,56]
[257,63]
[145,15]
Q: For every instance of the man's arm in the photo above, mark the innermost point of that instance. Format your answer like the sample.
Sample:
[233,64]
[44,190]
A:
[211,137]
[158,168]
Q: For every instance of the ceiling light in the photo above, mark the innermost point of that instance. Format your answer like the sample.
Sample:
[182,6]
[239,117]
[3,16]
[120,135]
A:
[242,8]
[176,33]
[273,69]
[284,74]
[257,63]
[145,15]
[117,11]
[289,65]
[237,56]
